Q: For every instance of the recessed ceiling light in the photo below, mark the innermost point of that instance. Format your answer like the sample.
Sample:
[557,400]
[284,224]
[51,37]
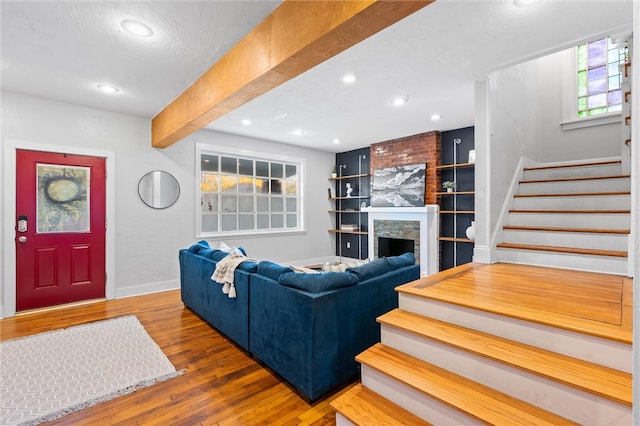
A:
[348,78]
[246,122]
[524,3]
[137,28]
[400,100]
[297,132]
[336,141]
[107,89]
[436,117]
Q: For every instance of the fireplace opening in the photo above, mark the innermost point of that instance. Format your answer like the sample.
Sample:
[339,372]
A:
[395,246]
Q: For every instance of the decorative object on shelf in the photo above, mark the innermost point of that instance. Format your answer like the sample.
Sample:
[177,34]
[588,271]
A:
[472,156]
[349,190]
[363,205]
[471,231]
[351,227]
[330,192]
[334,172]
[449,185]
[401,186]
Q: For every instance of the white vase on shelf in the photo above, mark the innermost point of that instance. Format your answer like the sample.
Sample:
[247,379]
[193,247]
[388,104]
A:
[471,231]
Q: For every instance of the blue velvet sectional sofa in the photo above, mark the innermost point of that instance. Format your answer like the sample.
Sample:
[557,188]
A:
[308,328]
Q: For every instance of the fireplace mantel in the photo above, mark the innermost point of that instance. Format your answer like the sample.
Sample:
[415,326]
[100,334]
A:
[428,218]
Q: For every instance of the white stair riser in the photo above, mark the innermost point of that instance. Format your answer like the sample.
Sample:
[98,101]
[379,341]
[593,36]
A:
[342,420]
[561,187]
[617,242]
[568,172]
[585,220]
[414,401]
[580,262]
[589,348]
[563,400]
[609,202]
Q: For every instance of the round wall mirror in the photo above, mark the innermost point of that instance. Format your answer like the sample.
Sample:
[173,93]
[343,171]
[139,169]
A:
[158,189]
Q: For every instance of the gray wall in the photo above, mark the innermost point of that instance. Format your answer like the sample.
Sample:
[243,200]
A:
[147,240]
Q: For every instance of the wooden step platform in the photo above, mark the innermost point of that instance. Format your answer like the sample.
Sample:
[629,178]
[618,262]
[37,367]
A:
[364,407]
[574,194]
[475,400]
[574,250]
[565,229]
[569,165]
[598,380]
[582,302]
[572,211]
[575,179]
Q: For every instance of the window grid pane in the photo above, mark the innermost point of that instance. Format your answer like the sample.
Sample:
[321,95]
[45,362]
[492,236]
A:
[599,80]
[244,194]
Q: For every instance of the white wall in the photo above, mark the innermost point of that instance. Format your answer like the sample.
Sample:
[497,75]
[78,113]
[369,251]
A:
[556,144]
[514,127]
[147,240]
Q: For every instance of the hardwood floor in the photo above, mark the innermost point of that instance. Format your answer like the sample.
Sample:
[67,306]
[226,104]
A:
[222,384]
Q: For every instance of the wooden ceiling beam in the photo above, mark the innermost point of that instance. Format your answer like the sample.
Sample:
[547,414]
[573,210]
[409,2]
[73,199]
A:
[294,38]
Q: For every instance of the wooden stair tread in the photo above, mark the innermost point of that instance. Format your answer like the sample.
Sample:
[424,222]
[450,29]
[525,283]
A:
[574,194]
[476,400]
[573,179]
[575,250]
[362,406]
[570,211]
[603,381]
[431,288]
[563,229]
[561,166]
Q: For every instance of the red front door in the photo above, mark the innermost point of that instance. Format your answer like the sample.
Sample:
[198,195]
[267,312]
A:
[60,228]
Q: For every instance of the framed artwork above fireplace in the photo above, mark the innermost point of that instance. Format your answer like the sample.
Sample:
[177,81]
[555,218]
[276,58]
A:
[400,186]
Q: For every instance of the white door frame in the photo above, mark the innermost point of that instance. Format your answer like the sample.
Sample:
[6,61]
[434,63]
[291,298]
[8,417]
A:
[8,307]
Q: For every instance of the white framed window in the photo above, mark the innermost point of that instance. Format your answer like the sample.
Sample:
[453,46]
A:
[247,193]
[599,77]
[592,89]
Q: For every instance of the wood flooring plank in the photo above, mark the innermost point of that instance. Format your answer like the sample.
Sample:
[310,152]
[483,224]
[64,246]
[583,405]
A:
[222,384]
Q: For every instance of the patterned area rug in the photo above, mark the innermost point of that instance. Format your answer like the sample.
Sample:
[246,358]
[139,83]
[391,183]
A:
[48,375]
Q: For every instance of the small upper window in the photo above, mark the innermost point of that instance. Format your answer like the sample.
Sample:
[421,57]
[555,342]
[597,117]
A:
[599,77]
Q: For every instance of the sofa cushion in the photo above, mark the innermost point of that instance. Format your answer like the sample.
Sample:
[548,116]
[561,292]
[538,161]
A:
[199,246]
[316,283]
[372,269]
[397,262]
[249,266]
[272,270]
[218,255]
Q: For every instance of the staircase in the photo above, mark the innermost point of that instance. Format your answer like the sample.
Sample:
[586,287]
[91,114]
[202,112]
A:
[571,215]
[453,357]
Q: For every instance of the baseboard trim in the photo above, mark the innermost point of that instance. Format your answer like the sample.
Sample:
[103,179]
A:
[482,254]
[139,290]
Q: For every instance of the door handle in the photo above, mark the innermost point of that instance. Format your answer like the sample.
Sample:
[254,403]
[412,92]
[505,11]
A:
[22,239]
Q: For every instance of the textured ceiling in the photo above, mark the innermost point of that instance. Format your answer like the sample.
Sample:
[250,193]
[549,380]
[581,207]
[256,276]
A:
[61,49]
